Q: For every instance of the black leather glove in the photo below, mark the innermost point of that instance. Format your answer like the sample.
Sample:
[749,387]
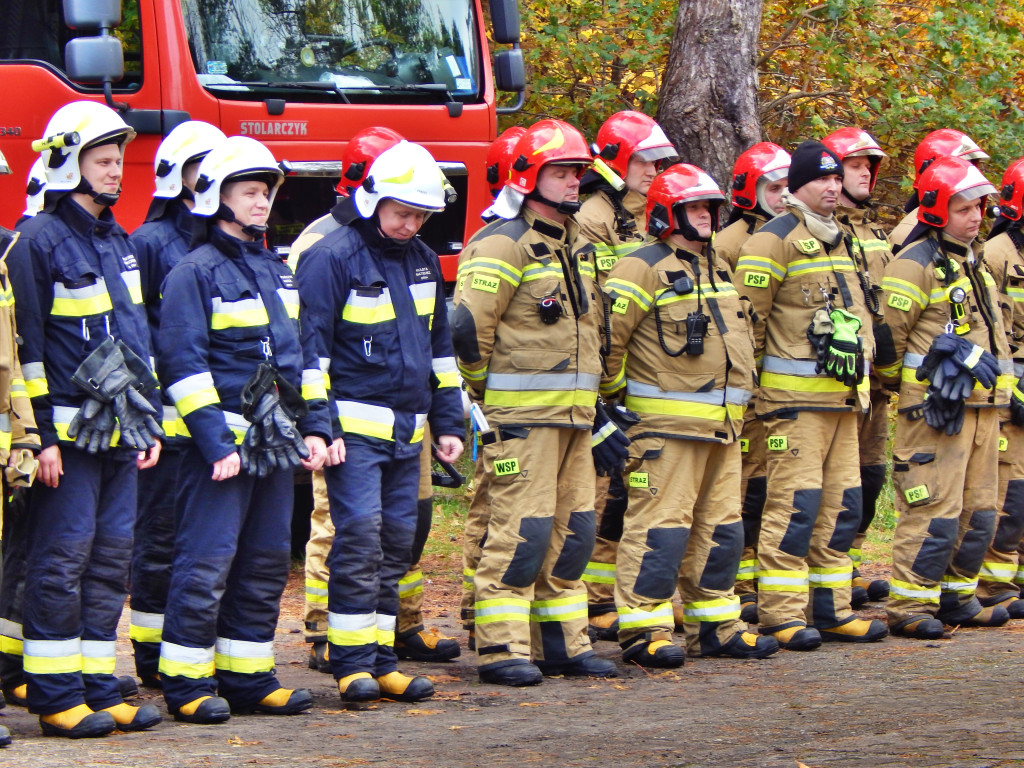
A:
[272,441]
[969,357]
[608,443]
[137,420]
[92,426]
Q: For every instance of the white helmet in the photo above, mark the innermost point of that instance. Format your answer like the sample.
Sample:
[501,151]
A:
[35,188]
[234,157]
[73,128]
[4,167]
[406,172]
[188,142]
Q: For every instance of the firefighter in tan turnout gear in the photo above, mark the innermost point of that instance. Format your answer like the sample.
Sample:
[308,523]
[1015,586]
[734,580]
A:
[758,183]
[682,354]
[630,148]
[525,327]
[869,247]
[1001,573]
[950,359]
[808,318]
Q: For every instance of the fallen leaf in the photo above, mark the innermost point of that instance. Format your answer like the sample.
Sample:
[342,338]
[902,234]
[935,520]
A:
[457,727]
[531,704]
[443,678]
[421,712]
[236,741]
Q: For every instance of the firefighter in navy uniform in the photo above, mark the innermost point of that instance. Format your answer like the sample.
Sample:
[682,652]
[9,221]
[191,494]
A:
[681,353]
[952,364]
[412,639]
[809,314]
[239,360]
[85,359]
[160,243]
[1000,577]
[630,148]
[944,142]
[526,332]
[376,298]
[869,247]
[758,182]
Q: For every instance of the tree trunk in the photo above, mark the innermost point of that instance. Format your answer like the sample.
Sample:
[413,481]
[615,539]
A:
[708,103]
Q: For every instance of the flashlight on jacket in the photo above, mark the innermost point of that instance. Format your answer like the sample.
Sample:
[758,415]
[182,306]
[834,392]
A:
[57,141]
[606,173]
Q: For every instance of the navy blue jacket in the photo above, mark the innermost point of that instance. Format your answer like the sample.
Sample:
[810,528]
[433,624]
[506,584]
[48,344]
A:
[379,308]
[228,306]
[75,281]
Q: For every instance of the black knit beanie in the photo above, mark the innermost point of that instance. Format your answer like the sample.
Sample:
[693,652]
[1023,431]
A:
[812,160]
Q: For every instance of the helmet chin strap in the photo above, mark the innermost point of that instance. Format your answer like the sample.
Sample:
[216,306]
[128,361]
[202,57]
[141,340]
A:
[688,231]
[566,207]
[859,202]
[100,198]
[255,231]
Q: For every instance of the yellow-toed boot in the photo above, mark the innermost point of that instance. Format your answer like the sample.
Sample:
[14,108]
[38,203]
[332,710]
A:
[399,687]
[129,718]
[206,710]
[358,687]
[283,701]
[77,723]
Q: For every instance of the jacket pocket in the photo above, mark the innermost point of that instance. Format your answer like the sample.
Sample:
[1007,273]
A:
[916,476]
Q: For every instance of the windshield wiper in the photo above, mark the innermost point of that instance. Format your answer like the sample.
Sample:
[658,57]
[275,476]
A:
[320,86]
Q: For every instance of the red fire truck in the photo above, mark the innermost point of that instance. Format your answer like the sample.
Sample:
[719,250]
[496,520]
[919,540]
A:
[300,75]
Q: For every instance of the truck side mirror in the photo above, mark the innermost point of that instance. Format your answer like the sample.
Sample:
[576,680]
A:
[94,59]
[505,20]
[92,14]
[509,71]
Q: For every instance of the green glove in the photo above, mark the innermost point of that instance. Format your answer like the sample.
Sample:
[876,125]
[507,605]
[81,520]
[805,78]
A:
[844,355]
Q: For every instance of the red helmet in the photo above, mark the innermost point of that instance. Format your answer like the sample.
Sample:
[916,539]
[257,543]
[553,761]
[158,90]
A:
[1011,198]
[854,142]
[629,133]
[670,191]
[499,157]
[945,142]
[764,160]
[546,141]
[360,152]
[943,179]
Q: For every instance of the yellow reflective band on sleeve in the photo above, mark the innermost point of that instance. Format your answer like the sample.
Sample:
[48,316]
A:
[497,268]
[52,657]
[182,661]
[660,616]
[313,385]
[5,438]
[194,392]
[290,299]
[473,374]
[351,630]
[541,271]
[410,584]
[624,289]
[582,398]
[133,279]
[316,591]
[905,288]
[81,302]
[599,573]
[146,627]
[243,656]
[37,387]
[718,609]
[446,371]
[501,609]
[830,578]
[761,264]
[783,581]
[468,576]
[245,313]
[560,609]
[916,592]
[99,657]
[890,371]
[18,388]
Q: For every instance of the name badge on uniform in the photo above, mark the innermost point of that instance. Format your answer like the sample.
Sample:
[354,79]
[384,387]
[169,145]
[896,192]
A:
[639,480]
[488,284]
[604,263]
[288,281]
[902,303]
[130,261]
[808,246]
[756,279]
[504,467]
[778,443]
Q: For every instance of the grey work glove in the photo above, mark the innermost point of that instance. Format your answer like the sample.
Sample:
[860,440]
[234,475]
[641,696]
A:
[136,417]
[92,427]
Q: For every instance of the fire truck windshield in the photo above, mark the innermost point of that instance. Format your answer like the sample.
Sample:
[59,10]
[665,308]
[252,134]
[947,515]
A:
[328,50]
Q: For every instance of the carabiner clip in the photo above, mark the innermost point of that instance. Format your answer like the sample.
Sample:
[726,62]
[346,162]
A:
[265,347]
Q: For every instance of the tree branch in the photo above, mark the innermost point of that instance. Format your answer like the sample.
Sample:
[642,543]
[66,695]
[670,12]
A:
[807,13]
[792,95]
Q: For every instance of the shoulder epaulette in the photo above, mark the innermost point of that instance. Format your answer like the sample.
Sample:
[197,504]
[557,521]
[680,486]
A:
[782,225]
